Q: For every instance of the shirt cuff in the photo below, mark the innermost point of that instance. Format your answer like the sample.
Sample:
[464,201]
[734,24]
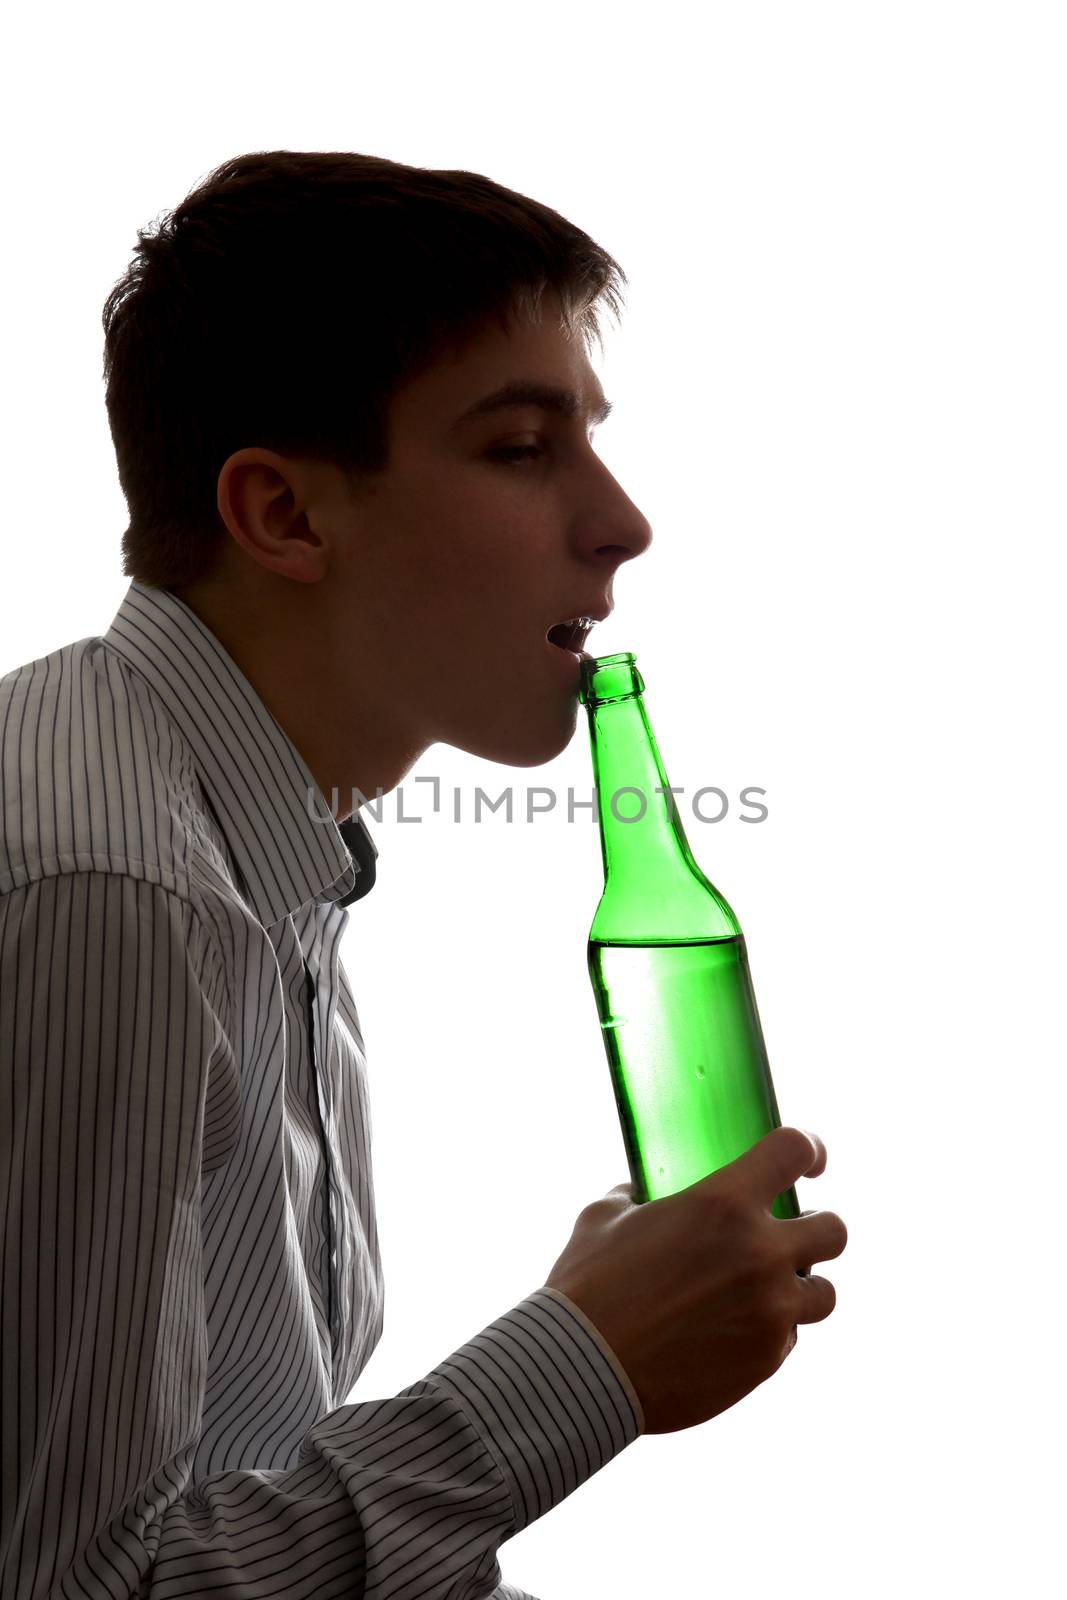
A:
[549,1397]
[602,1344]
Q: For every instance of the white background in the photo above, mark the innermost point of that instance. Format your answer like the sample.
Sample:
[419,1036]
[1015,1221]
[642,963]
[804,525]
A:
[839,398]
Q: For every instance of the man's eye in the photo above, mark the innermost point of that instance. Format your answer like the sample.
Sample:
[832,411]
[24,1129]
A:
[524,452]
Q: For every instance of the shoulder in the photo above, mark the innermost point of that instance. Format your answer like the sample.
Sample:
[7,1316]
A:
[93,778]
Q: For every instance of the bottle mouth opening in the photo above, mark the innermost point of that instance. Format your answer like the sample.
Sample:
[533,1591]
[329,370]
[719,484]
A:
[605,678]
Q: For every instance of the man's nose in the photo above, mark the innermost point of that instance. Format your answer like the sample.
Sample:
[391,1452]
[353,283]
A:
[641,534]
[617,527]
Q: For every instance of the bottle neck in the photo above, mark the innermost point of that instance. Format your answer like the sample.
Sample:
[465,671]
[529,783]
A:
[638,832]
[653,888]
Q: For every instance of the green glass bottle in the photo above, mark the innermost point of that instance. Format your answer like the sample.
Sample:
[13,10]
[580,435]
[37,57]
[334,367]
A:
[668,965]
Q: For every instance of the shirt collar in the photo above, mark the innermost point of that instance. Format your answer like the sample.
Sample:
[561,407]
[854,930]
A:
[280,832]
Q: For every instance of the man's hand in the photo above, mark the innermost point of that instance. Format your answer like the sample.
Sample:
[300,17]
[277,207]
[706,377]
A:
[698,1293]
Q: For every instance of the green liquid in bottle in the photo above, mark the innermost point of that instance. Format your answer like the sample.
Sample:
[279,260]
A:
[688,1065]
[668,966]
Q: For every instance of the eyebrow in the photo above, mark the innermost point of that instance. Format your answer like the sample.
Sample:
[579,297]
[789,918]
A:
[530,392]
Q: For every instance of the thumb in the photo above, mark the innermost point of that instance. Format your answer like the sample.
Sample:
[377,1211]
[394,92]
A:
[778,1159]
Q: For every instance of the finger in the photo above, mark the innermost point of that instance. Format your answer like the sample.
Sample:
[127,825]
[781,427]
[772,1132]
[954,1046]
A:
[777,1160]
[815,1236]
[816,1298]
[820,1164]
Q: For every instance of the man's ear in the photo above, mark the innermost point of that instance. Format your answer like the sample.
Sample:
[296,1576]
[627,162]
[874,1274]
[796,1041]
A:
[267,502]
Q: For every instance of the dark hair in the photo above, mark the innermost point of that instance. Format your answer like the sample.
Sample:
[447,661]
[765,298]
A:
[285,301]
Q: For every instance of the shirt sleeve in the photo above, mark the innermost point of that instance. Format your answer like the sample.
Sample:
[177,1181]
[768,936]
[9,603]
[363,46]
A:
[112,1015]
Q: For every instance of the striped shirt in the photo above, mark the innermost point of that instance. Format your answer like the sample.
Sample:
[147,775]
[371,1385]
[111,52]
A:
[189,1265]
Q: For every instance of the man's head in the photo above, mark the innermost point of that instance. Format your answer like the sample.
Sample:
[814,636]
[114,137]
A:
[290,361]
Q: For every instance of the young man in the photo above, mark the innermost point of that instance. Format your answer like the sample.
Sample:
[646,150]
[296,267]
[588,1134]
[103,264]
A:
[352,409]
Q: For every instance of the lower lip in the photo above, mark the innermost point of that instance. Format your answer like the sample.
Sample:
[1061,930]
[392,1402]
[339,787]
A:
[570,658]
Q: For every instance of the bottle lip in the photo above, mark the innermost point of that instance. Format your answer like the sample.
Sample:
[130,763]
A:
[618,677]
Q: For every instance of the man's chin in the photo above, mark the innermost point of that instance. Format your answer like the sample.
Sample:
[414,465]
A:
[523,743]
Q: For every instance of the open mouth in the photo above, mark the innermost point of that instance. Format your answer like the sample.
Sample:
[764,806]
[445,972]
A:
[571,635]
